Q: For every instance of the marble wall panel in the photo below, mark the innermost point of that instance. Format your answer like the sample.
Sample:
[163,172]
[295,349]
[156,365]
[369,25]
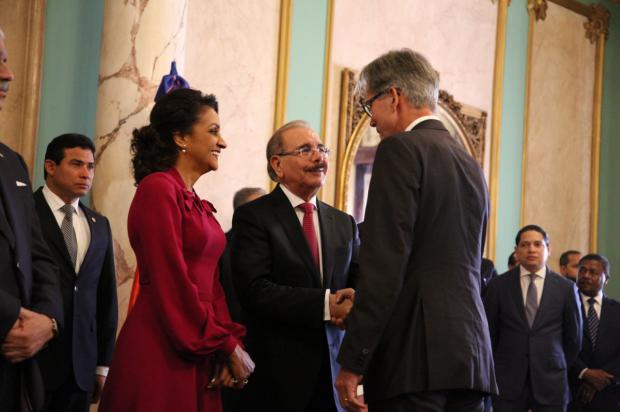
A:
[139,41]
[559,131]
[232,51]
[458,37]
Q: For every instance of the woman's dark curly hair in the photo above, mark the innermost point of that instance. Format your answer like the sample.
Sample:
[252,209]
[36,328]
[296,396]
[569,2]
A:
[152,146]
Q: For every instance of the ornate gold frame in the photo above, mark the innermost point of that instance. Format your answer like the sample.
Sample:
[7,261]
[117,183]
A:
[596,30]
[469,121]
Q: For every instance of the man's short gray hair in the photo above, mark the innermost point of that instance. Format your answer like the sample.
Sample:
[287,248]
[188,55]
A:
[274,146]
[406,70]
[243,195]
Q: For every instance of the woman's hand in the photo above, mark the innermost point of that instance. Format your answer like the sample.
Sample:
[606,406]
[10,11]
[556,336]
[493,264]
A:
[241,365]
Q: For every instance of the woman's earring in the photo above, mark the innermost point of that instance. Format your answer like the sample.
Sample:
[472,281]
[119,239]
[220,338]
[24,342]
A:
[184,149]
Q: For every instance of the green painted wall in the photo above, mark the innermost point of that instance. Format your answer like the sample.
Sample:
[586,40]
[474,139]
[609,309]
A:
[511,143]
[609,218]
[307,59]
[70,71]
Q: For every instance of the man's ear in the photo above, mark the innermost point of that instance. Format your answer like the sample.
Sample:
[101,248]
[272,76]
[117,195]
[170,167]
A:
[50,167]
[276,165]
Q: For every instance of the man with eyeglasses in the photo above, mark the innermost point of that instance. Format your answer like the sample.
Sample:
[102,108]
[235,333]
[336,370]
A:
[595,376]
[294,263]
[417,337]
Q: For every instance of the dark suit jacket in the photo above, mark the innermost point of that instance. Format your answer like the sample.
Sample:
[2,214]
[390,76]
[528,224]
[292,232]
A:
[89,300]
[27,273]
[605,356]
[418,323]
[282,296]
[546,350]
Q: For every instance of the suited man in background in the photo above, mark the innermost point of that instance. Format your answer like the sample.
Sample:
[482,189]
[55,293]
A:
[294,260]
[417,334]
[230,397]
[569,264]
[75,365]
[535,324]
[30,302]
[595,376]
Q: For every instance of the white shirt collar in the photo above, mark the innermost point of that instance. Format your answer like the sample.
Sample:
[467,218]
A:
[598,298]
[294,199]
[420,120]
[542,272]
[55,202]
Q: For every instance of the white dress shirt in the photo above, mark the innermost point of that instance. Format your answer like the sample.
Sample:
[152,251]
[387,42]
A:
[295,202]
[80,224]
[539,281]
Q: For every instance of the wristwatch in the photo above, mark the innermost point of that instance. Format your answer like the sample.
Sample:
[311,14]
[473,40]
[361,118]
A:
[54,327]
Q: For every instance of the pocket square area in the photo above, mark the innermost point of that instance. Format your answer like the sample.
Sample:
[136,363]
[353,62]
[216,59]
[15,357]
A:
[20,184]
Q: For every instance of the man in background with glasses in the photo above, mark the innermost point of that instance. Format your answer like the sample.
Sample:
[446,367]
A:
[294,263]
[417,337]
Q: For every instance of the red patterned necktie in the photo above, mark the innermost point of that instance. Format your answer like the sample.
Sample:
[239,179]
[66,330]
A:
[309,231]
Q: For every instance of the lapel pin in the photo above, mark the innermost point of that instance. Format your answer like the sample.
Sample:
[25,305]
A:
[1,155]
[93,219]
[20,184]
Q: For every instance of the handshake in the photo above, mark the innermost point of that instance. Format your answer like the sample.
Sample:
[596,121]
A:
[340,304]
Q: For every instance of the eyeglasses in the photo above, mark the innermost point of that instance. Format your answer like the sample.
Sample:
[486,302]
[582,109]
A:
[367,105]
[307,151]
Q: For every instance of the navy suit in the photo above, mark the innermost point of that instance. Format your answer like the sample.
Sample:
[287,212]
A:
[605,356]
[89,299]
[27,274]
[533,359]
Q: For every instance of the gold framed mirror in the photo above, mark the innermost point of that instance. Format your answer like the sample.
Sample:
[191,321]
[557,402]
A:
[357,142]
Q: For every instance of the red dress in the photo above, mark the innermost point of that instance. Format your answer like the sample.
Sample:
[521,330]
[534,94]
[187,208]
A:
[165,352]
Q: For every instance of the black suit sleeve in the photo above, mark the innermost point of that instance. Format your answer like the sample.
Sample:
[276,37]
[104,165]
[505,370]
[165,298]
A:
[386,248]
[491,307]
[45,297]
[107,305]
[253,259]
[572,327]
[354,273]
[9,311]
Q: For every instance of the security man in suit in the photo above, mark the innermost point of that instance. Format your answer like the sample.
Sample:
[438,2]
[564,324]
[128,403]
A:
[535,324]
[595,376]
[30,302]
[417,334]
[294,262]
[75,365]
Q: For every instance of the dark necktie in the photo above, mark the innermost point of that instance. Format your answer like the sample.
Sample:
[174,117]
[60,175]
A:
[531,300]
[592,322]
[68,232]
[309,231]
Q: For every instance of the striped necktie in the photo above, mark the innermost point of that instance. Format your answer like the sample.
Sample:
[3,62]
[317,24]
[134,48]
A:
[68,232]
[592,322]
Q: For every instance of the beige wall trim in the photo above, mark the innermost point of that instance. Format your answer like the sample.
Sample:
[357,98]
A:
[284,48]
[573,5]
[496,124]
[31,98]
[538,8]
[327,62]
[533,17]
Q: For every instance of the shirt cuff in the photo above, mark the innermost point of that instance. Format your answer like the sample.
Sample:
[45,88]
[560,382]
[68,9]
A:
[582,372]
[327,316]
[102,370]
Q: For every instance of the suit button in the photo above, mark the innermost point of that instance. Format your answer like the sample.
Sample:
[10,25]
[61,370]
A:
[75,288]
[365,351]
[17,265]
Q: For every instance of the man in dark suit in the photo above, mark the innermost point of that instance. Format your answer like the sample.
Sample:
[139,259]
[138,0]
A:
[30,302]
[569,264]
[74,366]
[417,334]
[535,326]
[595,376]
[230,397]
[290,253]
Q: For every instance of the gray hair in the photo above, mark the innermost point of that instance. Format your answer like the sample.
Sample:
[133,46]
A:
[406,70]
[274,146]
[242,195]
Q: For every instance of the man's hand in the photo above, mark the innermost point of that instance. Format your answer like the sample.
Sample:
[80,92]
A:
[346,385]
[346,293]
[99,382]
[585,392]
[31,331]
[597,378]
[340,305]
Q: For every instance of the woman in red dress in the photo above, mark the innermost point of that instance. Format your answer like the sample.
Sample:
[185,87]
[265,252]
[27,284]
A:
[178,345]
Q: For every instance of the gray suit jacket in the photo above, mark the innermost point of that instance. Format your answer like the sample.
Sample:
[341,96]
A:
[545,350]
[418,322]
